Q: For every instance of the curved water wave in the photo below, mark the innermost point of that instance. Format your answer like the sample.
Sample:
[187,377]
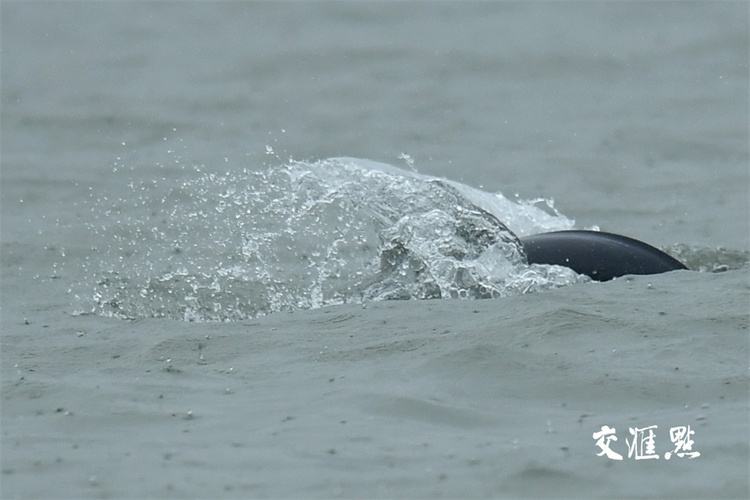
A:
[308,234]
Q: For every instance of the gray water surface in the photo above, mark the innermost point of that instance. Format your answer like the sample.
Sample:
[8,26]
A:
[633,116]
[123,120]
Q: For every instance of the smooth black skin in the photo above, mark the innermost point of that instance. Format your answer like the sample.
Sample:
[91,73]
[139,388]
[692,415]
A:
[601,256]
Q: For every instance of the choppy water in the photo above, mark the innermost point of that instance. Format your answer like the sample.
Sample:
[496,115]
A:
[309,234]
[305,235]
[182,160]
[163,134]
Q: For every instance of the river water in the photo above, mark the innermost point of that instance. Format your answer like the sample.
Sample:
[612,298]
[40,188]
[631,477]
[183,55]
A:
[249,163]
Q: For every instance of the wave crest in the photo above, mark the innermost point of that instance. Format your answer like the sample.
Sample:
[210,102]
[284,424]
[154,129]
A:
[309,234]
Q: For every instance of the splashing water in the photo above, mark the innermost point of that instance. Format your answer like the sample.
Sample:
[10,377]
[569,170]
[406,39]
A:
[309,234]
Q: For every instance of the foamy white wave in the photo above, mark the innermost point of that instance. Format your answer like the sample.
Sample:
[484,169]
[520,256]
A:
[310,234]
